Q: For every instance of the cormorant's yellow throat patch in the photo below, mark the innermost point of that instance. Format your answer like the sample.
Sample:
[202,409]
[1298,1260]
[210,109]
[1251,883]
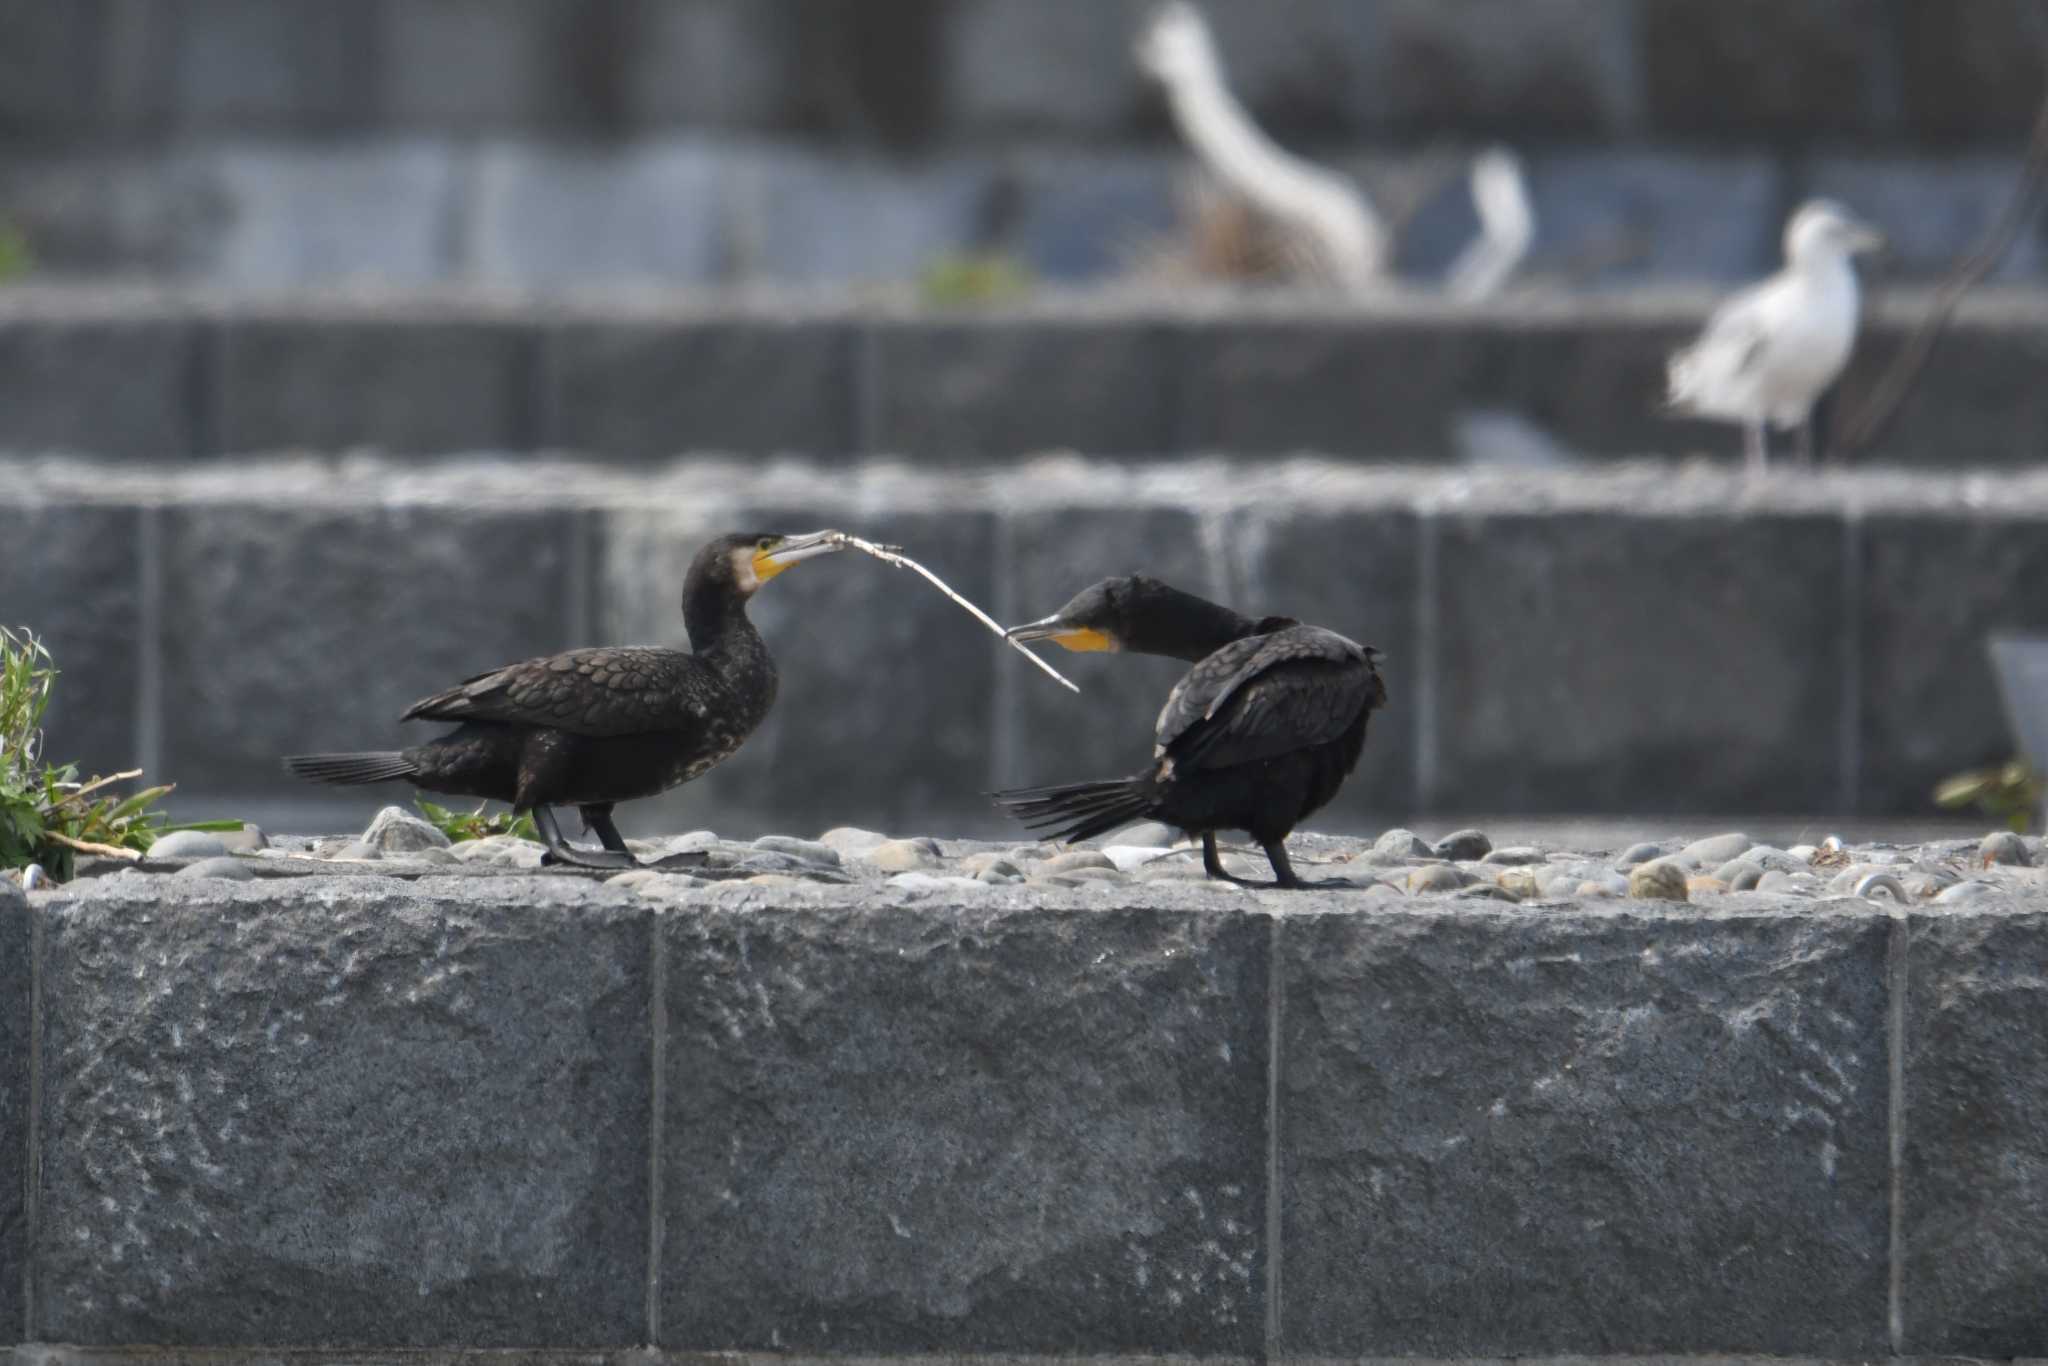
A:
[1085,640]
[765,567]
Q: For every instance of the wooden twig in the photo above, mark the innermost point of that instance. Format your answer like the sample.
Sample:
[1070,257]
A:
[891,555]
[88,847]
[1884,401]
[97,783]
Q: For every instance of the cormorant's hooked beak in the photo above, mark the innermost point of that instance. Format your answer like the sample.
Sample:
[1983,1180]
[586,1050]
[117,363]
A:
[794,550]
[1080,638]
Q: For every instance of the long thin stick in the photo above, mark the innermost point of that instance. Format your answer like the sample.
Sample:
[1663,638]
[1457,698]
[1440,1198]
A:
[890,555]
[88,847]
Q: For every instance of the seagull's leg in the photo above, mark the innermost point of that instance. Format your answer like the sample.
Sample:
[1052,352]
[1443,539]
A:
[1756,448]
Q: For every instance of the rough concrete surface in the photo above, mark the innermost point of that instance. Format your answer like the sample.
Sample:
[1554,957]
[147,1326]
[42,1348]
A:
[947,1128]
[16,989]
[275,1123]
[1976,1136]
[1507,1132]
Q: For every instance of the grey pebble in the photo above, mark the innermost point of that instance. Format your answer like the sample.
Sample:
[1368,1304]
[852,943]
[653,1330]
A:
[1965,891]
[432,856]
[811,851]
[1785,883]
[1437,877]
[1401,844]
[247,840]
[902,856]
[355,851]
[1776,860]
[926,882]
[187,844]
[224,866]
[999,871]
[1485,891]
[1079,859]
[1129,858]
[398,831]
[1715,850]
[1740,874]
[851,839]
[1149,835]
[1516,856]
[1092,874]
[1463,846]
[2003,846]
[1638,853]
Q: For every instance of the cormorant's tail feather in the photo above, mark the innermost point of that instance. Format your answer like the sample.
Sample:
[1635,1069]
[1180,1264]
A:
[350,770]
[1079,810]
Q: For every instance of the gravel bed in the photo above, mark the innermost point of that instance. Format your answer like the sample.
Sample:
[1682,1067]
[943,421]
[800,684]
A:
[1398,865]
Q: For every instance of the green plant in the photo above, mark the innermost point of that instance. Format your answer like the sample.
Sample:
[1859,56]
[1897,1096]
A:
[475,825]
[973,279]
[48,815]
[2010,793]
[15,256]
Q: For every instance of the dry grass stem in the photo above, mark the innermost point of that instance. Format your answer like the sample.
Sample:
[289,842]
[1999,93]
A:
[892,555]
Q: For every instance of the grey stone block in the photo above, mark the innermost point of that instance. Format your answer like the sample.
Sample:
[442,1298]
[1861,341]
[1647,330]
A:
[747,384]
[1976,1093]
[1932,210]
[16,982]
[885,705]
[1599,386]
[1059,67]
[618,212]
[1975,80]
[50,69]
[936,1129]
[1659,1134]
[1552,67]
[1590,661]
[325,1109]
[296,65]
[529,64]
[811,219]
[1082,215]
[1047,734]
[1003,386]
[359,610]
[718,63]
[110,386]
[1825,69]
[1354,571]
[1632,217]
[1386,389]
[1975,404]
[75,581]
[1933,588]
[414,386]
[288,216]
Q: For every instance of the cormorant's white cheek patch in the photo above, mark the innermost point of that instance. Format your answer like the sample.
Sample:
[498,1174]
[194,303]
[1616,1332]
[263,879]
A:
[746,570]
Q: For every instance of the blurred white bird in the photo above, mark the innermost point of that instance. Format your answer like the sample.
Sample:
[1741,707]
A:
[1769,352]
[1335,226]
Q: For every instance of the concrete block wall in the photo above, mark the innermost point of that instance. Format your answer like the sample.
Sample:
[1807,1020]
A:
[1654,639]
[166,375]
[354,1115]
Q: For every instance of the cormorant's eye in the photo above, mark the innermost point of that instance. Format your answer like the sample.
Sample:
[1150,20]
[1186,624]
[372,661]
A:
[765,543]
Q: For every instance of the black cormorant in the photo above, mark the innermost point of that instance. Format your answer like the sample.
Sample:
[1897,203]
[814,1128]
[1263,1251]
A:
[1259,733]
[588,728]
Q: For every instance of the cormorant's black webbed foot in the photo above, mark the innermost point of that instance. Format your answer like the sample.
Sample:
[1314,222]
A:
[562,853]
[597,819]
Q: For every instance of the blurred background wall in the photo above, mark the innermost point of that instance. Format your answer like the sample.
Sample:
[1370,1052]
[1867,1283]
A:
[349,348]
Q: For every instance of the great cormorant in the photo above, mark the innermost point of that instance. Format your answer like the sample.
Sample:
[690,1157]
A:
[588,728]
[1259,733]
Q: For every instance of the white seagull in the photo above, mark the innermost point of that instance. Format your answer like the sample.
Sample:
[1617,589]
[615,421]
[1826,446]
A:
[1768,353]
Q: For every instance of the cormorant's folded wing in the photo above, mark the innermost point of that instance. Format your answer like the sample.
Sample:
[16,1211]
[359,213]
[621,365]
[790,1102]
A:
[610,690]
[1265,696]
